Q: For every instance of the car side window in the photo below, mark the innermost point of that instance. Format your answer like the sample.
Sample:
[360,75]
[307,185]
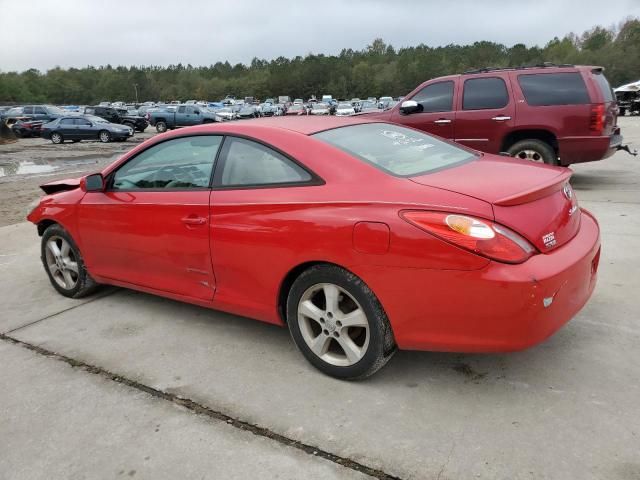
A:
[437,97]
[28,110]
[82,122]
[39,110]
[66,121]
[248,163]
[484,94]
[182,163]
[181,109]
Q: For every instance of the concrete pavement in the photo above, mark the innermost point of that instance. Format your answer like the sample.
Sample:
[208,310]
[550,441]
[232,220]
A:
[565,409]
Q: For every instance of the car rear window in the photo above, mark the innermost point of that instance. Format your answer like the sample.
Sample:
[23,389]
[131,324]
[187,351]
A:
[400,151]
[484,94]
[554,89]
[603,84]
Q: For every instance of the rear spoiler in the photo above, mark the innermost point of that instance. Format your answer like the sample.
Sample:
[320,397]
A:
[537,192]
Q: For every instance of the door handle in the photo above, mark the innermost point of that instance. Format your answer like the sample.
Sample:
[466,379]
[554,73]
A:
[501,118]
[442,121]
[194,220]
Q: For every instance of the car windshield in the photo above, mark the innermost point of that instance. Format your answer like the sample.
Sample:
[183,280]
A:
[295,107]
[368,105]
[345,105]
[397,150]
[95,119]
[55,110]
[320,106]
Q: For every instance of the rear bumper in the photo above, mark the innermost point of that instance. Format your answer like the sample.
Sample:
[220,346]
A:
[588,149]
[499,308]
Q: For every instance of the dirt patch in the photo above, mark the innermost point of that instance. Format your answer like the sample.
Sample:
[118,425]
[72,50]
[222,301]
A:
[30,162]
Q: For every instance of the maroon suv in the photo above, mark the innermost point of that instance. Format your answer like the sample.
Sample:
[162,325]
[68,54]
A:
[559,115]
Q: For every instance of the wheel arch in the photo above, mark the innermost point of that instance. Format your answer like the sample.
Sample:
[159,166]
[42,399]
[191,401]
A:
[45,223]
[290,278]
[515,136]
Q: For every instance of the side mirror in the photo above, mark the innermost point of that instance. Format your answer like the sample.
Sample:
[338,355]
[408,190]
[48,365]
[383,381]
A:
[410,106]
[94,183]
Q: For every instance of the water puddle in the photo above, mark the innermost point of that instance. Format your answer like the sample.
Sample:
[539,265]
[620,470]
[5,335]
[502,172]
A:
[38,167]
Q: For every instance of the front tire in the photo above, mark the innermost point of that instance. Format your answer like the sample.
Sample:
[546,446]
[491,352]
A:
[338,324]
[104,136]
[57,138]
[64,265]
[161,127]
[535,151]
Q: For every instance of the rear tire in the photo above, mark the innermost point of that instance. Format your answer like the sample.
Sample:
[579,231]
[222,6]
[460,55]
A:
[64,265]
[349,338]
[161,127]
[534,150]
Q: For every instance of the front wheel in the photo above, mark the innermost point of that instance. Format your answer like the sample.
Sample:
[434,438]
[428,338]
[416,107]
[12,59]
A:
[64,264]
[57,138]
[104,136]
[535,151]
[161,127]
[338,324]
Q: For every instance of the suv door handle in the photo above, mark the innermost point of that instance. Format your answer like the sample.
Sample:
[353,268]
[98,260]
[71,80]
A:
[193,220]
[442,121]
[501,118]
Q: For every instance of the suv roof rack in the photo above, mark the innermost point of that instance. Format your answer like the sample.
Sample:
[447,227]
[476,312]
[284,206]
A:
[521,67]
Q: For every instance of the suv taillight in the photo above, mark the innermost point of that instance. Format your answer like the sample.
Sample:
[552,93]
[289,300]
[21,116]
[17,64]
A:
[596,120]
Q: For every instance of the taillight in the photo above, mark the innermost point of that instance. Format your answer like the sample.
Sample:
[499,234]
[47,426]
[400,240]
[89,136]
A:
[479,236]
[597,118]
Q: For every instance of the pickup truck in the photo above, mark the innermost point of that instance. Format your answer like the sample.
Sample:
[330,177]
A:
[184,116]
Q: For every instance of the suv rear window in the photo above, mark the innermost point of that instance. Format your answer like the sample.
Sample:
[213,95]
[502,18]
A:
[554,89]
[484,94]
[605,88]
[400,151]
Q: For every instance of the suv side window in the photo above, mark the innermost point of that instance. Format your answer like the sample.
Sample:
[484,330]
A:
[182,163]
[248,163]
[437,97]
[28,111]
[484,94]
[39,110]
[554,89]
[181,109]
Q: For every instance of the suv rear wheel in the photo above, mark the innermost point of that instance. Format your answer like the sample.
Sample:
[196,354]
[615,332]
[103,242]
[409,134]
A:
[534,150]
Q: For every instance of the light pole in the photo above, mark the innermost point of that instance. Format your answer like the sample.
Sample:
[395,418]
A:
[135,86]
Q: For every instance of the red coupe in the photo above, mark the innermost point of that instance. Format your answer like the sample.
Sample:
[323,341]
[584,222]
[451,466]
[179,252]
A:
[361,236]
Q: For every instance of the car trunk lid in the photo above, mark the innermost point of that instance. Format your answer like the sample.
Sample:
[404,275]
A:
[533,200]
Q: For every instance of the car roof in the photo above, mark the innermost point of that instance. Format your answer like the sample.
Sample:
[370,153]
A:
[305,125]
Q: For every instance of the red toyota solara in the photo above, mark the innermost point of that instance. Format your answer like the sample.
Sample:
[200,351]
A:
[361,236]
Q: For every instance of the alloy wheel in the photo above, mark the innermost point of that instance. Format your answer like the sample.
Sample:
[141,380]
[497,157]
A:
[531,155]
[56,138]
[333,324]
[62,262]
[104,137]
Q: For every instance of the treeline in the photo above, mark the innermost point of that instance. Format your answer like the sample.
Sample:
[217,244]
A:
[377,70]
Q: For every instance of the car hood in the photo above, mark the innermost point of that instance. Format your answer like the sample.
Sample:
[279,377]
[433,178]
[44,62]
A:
[60,185]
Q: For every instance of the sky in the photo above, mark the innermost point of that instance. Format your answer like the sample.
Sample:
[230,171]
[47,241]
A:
[43,34]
